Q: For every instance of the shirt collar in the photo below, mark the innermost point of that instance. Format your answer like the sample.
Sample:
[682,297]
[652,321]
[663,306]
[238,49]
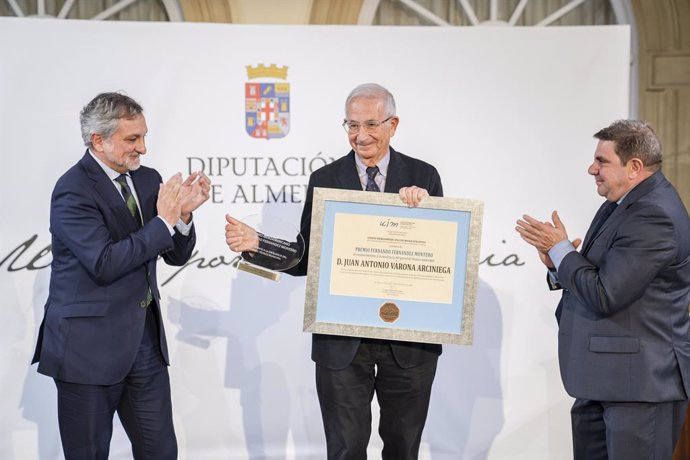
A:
[110,172]
[382,164]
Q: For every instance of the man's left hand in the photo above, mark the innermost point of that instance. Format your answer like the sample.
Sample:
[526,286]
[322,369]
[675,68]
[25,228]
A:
[199,186]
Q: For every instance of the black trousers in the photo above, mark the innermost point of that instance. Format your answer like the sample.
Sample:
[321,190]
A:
[142,401]
[626,430]
[345,397]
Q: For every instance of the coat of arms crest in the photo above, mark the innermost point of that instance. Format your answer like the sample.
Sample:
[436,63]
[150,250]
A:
[267,102]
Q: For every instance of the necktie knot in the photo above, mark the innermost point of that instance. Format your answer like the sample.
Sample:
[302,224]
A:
[372,171]
[122,180]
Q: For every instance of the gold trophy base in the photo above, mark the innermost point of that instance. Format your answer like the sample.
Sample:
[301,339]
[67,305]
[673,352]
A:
[259,271]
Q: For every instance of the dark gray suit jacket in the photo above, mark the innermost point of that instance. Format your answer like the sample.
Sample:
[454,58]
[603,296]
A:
[623,316]
[337,352]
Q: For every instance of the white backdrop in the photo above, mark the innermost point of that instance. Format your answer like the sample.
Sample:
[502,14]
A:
[506,115]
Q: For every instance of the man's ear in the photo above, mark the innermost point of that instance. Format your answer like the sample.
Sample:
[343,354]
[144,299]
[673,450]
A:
[97,142]
[394,125]
[635,167]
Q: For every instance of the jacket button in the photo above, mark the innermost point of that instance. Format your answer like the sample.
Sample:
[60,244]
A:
[142,304]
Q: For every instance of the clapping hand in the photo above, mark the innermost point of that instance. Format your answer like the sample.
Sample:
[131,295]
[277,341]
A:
[198,187]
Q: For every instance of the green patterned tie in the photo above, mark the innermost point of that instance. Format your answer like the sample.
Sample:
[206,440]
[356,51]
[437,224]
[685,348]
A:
[129,198]
[134,210]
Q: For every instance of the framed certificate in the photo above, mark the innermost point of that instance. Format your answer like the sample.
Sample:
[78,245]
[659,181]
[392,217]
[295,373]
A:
[380,269]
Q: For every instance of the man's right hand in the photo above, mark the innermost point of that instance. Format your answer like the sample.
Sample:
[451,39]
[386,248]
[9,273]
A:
[171,195]
[239,236]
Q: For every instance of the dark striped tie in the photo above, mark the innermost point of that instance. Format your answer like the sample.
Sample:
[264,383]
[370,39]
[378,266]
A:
[129,198]
[372,171]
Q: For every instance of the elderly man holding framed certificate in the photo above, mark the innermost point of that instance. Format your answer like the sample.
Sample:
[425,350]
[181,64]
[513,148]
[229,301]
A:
[354,361]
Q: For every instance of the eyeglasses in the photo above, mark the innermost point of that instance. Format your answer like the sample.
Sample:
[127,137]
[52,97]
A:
[369,126]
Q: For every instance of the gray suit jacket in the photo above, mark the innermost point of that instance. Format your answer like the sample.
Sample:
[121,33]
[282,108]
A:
[623,316]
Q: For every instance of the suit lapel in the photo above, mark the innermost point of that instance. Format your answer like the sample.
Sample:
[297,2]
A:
[641,190]
[347,177]
[396,177]
[590,237]
[107,190]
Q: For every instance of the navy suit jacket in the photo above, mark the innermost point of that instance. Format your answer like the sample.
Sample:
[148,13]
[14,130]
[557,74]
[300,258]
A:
[103,265]
[624,326]
[337,352]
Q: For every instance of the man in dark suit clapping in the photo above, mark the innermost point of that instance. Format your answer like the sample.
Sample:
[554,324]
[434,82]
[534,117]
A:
[102,337]
[623,341]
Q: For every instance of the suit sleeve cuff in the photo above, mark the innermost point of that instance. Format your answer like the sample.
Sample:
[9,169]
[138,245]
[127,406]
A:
[558,252]
[167,225]
[183,228]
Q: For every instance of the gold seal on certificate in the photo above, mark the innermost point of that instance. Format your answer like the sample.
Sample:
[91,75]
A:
[280,247]
[389,312]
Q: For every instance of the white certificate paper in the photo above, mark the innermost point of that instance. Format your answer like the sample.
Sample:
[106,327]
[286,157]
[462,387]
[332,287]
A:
[395,258]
